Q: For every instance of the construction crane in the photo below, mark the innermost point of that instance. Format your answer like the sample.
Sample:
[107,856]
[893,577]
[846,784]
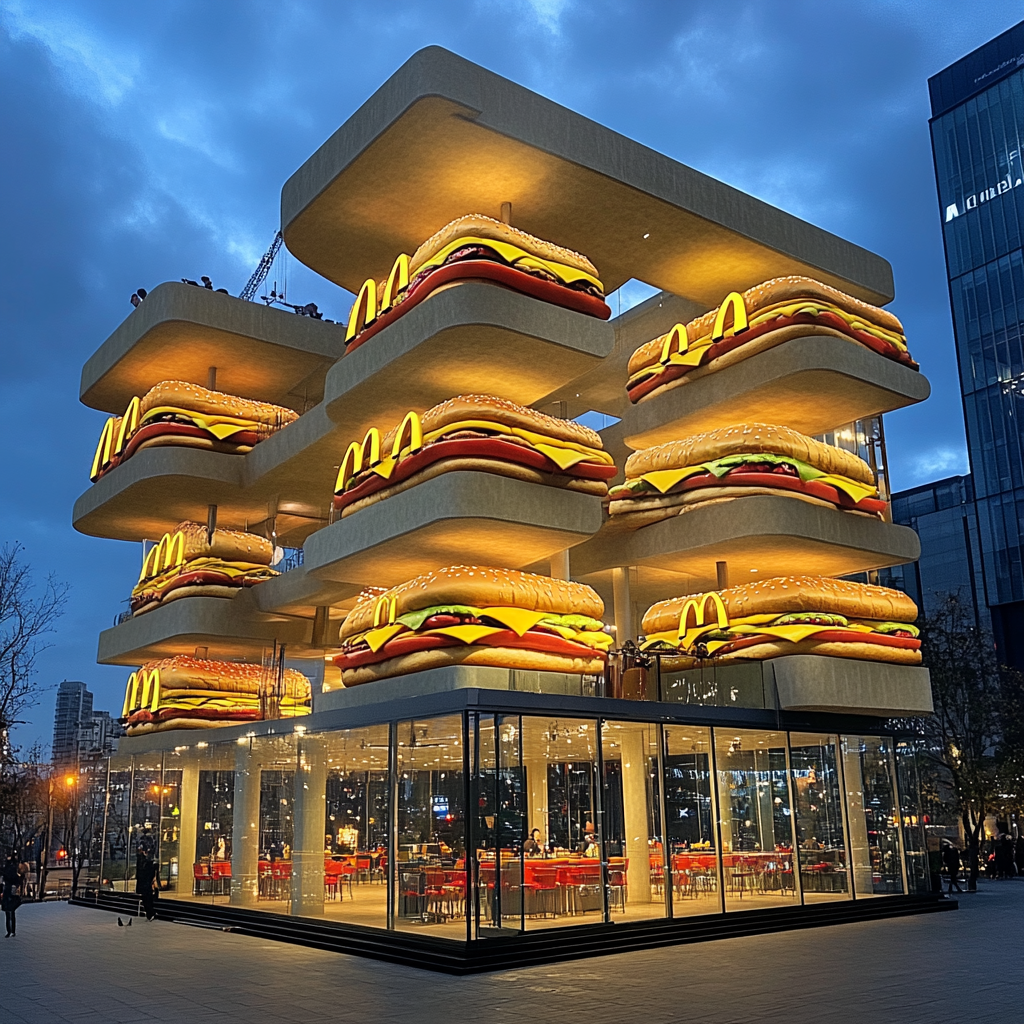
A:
[259,275]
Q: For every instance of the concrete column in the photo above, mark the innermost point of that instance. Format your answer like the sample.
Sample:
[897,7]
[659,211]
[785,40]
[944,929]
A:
[860,848]
[245,828]
[188,810]
[560,565]
[537,795]
[308,835]
[623,607]
[635,812]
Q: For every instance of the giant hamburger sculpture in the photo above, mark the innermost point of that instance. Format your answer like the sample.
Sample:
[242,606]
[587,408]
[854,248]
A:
[782,616]
[761,318]
[180,414]
[475,247]
[478,433]
[469,615]
[738,461]
[190,563]
[198,693]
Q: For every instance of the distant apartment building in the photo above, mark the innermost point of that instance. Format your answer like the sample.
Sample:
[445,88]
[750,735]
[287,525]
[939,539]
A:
[945,516]
[79,732]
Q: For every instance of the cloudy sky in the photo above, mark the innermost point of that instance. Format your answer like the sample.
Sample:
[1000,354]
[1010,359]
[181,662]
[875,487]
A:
[149,142]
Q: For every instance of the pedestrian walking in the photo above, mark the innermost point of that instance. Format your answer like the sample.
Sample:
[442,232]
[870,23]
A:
[146,883]
[951,865]
[13,882]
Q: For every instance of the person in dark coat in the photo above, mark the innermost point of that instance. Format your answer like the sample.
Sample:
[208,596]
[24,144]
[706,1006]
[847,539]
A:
[10,896]
[146,883]
[951,862]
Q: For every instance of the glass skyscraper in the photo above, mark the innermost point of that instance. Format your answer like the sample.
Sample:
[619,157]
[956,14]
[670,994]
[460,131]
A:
[977,127]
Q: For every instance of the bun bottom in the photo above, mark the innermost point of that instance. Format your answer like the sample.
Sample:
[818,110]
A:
[782,648]
[495,657]
[200,590]
[177,723]
[480,465]
[644,511]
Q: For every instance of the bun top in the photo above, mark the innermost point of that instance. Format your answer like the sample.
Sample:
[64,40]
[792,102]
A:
[479,226]
[761,296]
[184,672]
[193,398]
[744,438]
[229,545]
[479,587]
[783,594]
[500,410]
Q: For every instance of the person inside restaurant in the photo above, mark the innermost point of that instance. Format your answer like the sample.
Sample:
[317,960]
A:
[534,847]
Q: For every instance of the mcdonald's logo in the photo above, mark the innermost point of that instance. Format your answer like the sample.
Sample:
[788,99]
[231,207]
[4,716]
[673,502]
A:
[698,606]
[167,553]
[398,281]
[385,611]
[113,438]
[364,309]
[142,691]
[105,448]
[734,302]
[412,426]
[357,456]
[676,338]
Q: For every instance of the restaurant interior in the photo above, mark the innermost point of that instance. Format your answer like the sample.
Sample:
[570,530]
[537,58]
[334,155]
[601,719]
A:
[468,825]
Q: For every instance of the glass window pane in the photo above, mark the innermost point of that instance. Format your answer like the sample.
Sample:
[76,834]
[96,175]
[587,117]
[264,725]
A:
[873,816]
[918,880]
[818,801]
[756,823]
[632,833]
[564,876]
[431,839]
[690,821]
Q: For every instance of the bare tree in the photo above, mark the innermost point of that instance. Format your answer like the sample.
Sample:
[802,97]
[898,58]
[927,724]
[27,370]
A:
[26,617]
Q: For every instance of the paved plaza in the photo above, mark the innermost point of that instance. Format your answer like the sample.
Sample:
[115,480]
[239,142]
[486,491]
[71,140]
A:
[74,964]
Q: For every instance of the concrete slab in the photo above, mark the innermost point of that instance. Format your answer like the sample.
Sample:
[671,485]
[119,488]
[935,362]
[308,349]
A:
[456,518]
[180,331]
[444,137]
[811,384]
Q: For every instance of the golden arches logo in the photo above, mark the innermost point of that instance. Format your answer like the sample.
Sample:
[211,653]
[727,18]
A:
[734,302]
[698,606]
[385,611]
[413,426]
[357,457]
[114,436]
[398,281]
[364,309]
[676,340]
[142,692]
[168,552]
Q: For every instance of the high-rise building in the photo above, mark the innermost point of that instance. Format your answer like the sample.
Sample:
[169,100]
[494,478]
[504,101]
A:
[944,514]
[977,126]
[74,707]
[79,732]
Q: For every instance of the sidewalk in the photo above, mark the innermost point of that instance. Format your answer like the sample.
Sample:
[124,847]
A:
[73,964]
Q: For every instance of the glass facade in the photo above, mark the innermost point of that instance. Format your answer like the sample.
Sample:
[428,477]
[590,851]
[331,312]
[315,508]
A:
[474,825]
[978,122]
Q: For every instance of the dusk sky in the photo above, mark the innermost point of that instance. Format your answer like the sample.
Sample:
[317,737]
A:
[149,142]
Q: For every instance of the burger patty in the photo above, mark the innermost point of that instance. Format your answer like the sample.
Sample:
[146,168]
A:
[244,439]
[409,643]
[825,318]
[908,643]
[482,447]
[490,269]
[744,477]
[195,578]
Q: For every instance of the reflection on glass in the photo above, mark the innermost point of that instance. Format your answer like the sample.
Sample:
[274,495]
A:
[355,827]
[431,840]
[117,829]
[170,828]
[689,822]
[562,875]
[817,797]
[211,870]
[146,805]
[756,823]
[873,815]
[915,848]
[632,834]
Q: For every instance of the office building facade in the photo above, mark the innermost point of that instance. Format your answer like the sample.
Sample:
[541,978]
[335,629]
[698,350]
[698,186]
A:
[977,124]
[79,732]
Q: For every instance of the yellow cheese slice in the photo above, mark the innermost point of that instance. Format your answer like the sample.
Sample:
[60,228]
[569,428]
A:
[220,426]
[467,634]
[855,490]
[691,357]
[561,457]
[591,454]
[513,254]
[519,620]
[665,479]
[377,638]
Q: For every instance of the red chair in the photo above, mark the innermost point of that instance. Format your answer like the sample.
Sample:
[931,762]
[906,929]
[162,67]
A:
[347,873]
[541,890]
[363,869]
[201,873]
